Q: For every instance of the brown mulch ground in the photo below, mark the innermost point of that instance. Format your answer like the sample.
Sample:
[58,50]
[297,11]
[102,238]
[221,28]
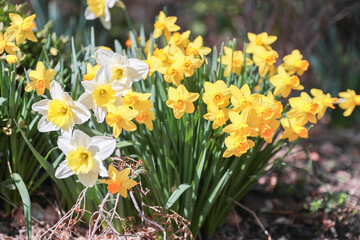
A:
[299,201]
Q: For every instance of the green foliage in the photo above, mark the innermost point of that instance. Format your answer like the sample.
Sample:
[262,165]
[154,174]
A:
[329,203]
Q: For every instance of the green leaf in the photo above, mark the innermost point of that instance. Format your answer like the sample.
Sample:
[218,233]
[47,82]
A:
[25,197]
[176,194]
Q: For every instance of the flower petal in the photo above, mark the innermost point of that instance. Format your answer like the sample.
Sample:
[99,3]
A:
[81,139]
[89,15]
[55,90]
[103,147]
[88,179]
[63,170]
[45,126]
[41,106]
[103,56]
[138,69]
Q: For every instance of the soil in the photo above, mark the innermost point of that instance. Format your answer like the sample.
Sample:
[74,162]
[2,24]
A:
[316,195]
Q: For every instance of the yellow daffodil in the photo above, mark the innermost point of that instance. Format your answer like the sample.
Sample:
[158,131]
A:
[60,113]
[260,40]
[237,145]
[153,63]
[233,60]
[217,116]
[6,43]
[265,60]
[303,107]
[119,181]
[90,72]
[348,101]
[216,93]
[181,101]
[40,79]
[189,65]
[120,118]
[180,40]
[267,129]
[84,156]
[323,100]
[145,115]
[196,48]
[244,124]
[240,97]
[135,100]
[293,129]
[11,58]
[22,27]
[283,83]
[293,63]
[266,107]
[164,26]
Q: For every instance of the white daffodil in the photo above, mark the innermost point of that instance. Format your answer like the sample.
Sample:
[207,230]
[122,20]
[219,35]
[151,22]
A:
[100,92]
[60,113]
[84,156]
[100,9]
[120,68]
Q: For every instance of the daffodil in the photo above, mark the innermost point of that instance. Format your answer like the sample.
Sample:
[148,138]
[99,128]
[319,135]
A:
[181,101]
[6,43]
[100,9]
[22,27]
[217,116]
[267,129]
[303,107]
[84,156]
[145,114]
[294,128]
[135,100]
[217,93]
[100,92]
[348,101]
[196,48]
[164,26]
[265,60]
[120,68]
[40,79]
[180,40]
[120,118]
[11,58]
[90,72]
[240,97]
[189,64]
[119,181]
[233,60]
[294,63]
[323,100]
[244,124]
[237,145]
[284,83]
[60,113]
[260,40]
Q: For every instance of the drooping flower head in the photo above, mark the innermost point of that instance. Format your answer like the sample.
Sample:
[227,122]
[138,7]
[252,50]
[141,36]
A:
[7,44]
[22,27]
[119,181]
[40,79]
[323,100]
[293,63]
[60,113]
[294,128]
[100,9]
[84,156]
[348,101]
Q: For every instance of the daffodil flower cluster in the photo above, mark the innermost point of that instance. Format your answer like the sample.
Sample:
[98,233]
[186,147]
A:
[19,31]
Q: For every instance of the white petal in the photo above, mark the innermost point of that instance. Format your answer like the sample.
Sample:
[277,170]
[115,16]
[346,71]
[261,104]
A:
[100,113]
[63,170]
[86,100]
[110,3]
[103,74]
[103,147]
[103,171]
[103,56]
[137,69]
[90,85]
[120,60]
[120,88]
[55,90]
[107,16]
[66,144]
[67,129]
[89,15]
[88,179]
[41,106]
[81,114]
[45,126]
[81,139]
